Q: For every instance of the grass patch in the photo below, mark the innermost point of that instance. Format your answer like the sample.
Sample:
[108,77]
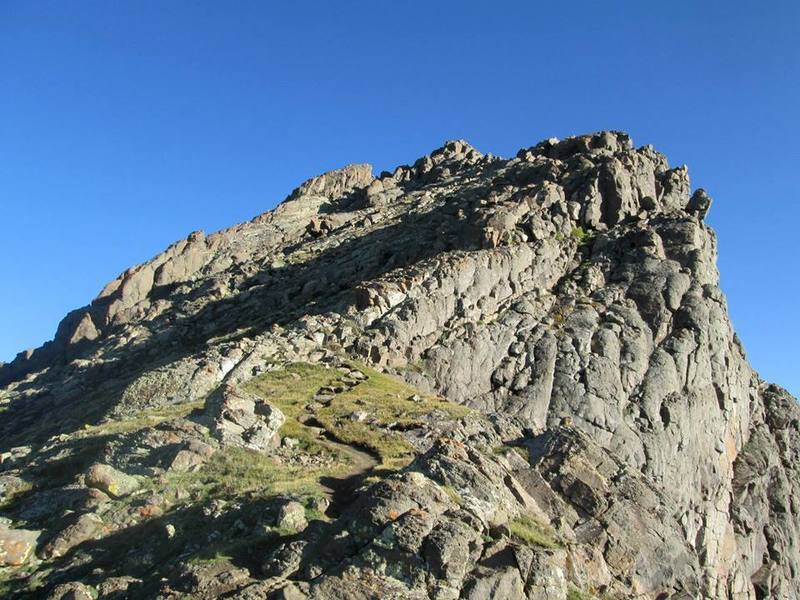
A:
[506,448]
[529,530]
[574,593]
[386,400]
[453,494]
[299,257]
[312,514]
[218,556]
[415,366]
[290,389]
[148,418]
[233,336]
[583,236]
[234,472]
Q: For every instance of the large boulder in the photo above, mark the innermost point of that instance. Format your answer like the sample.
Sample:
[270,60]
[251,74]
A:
[291,517]
[17,546]
[87,527]
[241,418]
[111,481]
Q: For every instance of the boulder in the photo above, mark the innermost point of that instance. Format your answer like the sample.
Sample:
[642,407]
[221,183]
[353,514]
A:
[87,527]
[117,588]
[17,546]
[190,458]
[73,590]
[111,481]
[11,485]
[699,203]
[243,419]
[291,517]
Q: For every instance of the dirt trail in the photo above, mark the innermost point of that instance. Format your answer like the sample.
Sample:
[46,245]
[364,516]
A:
[343,487]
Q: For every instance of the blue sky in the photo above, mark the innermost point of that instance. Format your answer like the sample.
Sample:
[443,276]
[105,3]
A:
[126,125]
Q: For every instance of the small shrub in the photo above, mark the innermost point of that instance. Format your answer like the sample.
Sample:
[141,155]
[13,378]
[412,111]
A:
[506,448]
[529,530]
[583,236]
[575,594]
[453,494]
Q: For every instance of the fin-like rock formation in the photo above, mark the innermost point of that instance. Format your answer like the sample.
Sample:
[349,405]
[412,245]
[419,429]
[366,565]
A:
[570,411]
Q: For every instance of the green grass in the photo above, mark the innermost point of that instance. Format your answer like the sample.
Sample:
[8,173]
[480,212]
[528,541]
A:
[232,336]
[298,257]
[386,400]
[290,389]
[12,580]
[218,556]
[574,593]
[505,449]
[233,472]
[383,397]
[529,530]
[453,494]
[583,236]
[147,418]
[415,366]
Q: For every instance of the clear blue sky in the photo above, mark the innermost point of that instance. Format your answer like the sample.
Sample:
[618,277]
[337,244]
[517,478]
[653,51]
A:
[126,125]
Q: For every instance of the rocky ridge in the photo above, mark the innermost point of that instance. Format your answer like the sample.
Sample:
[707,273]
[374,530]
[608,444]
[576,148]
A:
[472,377]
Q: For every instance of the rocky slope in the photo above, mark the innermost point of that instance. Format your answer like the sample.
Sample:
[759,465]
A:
[470,378]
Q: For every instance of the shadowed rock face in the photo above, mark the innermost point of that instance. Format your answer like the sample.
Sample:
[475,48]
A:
[568,295]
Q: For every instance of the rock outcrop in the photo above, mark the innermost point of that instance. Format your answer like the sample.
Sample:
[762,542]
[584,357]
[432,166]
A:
[551,400]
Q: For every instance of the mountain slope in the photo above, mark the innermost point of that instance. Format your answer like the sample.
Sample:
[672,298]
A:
[613,440]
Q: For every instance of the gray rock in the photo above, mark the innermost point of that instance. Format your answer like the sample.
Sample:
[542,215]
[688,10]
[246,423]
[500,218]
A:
[291,517]
[116,588]
[700,203]
[243,419]
[568,295]
[86,527]
[72,591]
[9,486]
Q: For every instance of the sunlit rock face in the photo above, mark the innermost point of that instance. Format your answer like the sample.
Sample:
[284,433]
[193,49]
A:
[609,435]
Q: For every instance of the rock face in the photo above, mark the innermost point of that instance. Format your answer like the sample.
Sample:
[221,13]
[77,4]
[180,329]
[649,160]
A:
[618,441]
